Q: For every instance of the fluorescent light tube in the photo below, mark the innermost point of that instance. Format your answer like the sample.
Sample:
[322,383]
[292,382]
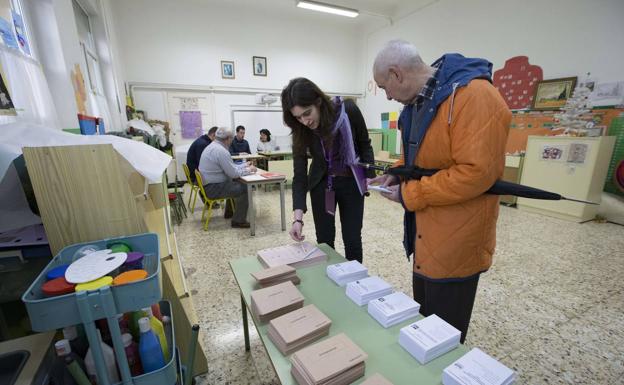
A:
[328,8]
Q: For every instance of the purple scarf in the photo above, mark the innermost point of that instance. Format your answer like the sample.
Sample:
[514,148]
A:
[343,137]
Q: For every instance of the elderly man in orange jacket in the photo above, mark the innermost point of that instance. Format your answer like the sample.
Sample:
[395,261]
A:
[456,121]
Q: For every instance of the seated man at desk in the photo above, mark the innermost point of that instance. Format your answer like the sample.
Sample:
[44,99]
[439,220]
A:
[196,149]
[218,172]
[239,145]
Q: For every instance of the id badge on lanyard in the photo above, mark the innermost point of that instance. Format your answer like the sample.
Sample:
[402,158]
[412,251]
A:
[330,194]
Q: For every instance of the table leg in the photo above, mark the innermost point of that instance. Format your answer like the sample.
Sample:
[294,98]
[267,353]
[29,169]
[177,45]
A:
[282,204]
[251,211]
[245,324]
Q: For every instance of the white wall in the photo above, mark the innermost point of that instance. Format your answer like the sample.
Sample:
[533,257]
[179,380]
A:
[564,37]
[183,42]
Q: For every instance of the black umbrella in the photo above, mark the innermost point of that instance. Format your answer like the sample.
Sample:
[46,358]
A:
[500,187]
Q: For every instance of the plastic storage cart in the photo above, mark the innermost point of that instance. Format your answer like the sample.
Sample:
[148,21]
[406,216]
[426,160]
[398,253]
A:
[48,313]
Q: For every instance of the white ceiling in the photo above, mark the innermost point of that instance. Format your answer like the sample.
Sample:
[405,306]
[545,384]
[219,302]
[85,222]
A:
[389,8]
[372,12]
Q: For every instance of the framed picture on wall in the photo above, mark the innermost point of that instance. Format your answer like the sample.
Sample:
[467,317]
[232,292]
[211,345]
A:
[227,69]
[259,66]
[553,94]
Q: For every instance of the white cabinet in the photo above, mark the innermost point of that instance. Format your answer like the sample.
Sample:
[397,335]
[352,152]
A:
[573,167]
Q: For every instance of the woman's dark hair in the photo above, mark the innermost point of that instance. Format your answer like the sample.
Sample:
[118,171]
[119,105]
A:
[304,93]
[267,133]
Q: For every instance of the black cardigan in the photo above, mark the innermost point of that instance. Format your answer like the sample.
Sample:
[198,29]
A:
[304,182]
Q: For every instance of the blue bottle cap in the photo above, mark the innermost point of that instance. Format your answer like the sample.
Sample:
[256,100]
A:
[58,271]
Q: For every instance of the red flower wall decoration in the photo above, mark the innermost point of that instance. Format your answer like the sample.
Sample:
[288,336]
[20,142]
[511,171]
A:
[517,80]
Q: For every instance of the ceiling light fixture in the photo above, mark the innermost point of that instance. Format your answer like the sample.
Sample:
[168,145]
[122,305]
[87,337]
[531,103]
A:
[328,8]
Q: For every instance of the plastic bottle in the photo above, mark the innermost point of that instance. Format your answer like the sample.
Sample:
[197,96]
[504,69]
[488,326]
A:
[60,375]
[156,311]
[124,325]
[133,319]
[79,344]
[76,371]
[132,355]
[150,350]
[159,330]
[166,320]
[109,360]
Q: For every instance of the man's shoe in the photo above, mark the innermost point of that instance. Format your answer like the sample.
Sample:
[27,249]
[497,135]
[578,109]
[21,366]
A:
[241,225]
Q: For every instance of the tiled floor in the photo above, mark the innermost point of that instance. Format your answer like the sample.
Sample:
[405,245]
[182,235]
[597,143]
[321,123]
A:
[551,307]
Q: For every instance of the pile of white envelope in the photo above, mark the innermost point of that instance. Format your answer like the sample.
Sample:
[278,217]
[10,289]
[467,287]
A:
[429,338]
[345,272]
[393,309]
[364,290]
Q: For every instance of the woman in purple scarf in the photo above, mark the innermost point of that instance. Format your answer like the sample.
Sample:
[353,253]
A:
[334,134]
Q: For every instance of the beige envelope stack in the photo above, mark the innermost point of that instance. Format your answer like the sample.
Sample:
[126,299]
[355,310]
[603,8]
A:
[274,301]
[296,255]
[377,379]
[333,361]
[298,328]
[275,275]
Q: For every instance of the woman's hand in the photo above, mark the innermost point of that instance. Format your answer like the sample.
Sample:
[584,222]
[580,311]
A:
[296,230]
[394,195]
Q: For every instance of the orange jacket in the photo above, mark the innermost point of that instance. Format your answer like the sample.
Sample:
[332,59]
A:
[455,220]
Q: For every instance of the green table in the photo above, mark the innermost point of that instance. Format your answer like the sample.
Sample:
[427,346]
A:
[385,355]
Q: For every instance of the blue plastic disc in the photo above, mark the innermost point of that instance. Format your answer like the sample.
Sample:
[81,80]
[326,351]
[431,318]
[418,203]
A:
[58,271]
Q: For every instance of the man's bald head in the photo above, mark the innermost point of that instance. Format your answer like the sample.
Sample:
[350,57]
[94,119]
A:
[397,53]
[400,71]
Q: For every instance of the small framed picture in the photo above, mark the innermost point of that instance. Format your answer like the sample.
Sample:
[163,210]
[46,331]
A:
[553,94]
[227,69]
[259,66]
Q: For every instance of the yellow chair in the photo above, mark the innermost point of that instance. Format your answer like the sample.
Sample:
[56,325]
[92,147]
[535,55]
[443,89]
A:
[208,203]
[194,187]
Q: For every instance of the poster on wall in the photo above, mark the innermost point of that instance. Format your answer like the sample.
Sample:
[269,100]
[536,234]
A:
[552,153]
[20,32]
[190,124]
[6,104]
[80,91]
[578,153]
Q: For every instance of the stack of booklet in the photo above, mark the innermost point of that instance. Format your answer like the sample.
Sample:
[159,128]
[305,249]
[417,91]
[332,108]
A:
[333,361]
[477,368]
[377,379]
[429,338]
[298,328]
[275,275]
[343,273]
[296,255]
[274,301]
[393,309]
[364,290]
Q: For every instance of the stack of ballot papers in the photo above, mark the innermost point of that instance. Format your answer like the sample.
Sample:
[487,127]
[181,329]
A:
[429,338]
[377,379]
[298,328]
[275,275]
[343,273]
[364,290]
[477,368]
[393,308]
[274,301]
[333,361]
[296,255]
